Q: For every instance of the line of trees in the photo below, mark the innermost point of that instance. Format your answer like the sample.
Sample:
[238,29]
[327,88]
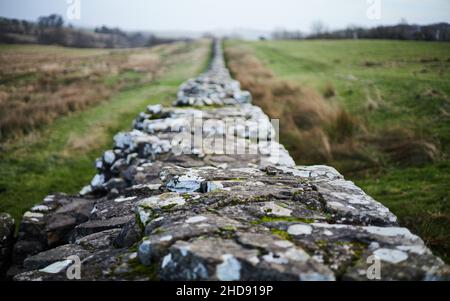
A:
[52,30]
[403,31]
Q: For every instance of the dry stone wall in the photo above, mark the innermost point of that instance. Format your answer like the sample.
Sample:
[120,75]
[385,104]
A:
[166,206]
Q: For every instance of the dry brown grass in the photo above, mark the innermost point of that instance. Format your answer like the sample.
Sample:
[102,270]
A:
[405,147]
[37,87]
[316,129]
[305,116]
[81,143]
[329,90]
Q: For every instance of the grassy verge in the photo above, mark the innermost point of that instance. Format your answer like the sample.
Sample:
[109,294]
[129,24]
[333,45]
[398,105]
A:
[396,95]
[60,156]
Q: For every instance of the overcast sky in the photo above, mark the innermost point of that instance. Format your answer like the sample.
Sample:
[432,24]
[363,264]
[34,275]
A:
[210,15]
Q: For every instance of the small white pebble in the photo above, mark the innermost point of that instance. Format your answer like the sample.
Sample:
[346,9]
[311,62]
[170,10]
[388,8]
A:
[283,243]
[34,215]
[299,230]
[166,238]
[56,267]
[390,255]
[166,260]
[196,219]
[124,199]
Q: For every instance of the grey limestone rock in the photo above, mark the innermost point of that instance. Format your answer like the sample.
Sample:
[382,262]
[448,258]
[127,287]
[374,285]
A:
[7,227]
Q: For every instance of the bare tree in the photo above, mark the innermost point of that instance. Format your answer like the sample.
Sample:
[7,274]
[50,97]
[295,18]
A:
[318,28]
[52,21]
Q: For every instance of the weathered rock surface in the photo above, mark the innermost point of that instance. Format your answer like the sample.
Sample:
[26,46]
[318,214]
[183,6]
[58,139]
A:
[165,206]
[7,227]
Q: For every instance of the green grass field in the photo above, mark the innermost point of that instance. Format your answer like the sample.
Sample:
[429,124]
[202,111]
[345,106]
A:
[60,156]
[386,84]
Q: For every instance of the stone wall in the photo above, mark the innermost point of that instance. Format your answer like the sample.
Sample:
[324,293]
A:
[166,206]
